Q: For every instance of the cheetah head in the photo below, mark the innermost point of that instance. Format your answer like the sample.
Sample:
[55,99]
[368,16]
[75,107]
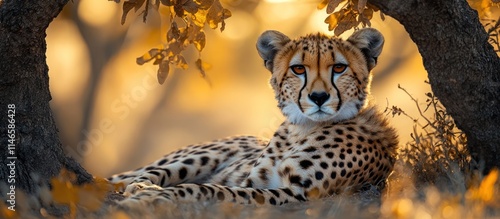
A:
[317,78]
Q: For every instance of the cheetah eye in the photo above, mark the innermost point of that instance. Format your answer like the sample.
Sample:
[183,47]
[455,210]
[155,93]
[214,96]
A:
[339,68]
[298,69]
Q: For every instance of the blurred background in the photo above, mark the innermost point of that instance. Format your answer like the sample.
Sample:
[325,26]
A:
[113,115]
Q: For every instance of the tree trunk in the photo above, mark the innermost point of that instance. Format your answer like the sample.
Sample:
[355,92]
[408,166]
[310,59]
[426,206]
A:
[24,87]
[463,68]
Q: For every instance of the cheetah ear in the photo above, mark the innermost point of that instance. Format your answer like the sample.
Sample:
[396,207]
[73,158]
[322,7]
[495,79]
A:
[268,44]
[370,42]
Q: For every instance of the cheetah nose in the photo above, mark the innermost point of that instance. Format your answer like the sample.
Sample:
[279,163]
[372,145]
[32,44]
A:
[319,97]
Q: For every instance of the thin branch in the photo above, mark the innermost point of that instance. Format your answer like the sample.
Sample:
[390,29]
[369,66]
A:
[418,107]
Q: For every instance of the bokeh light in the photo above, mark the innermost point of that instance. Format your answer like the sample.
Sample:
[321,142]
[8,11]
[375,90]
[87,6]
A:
[97,12]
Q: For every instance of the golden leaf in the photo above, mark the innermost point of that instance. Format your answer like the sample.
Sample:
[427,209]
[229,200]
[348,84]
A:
[368,13]
[199,41]
[202,66]
[163,71]
[225,14]
[63,191]
[345,23]
[487,187]
[89,195]
[181,62]
[151,54]
[361,5]
[216,14]
[332,21]
[183,35]
[128,5]
[322,4]
[178,10]
[173,33]
[200,18]
[332,5]
[204,4]
[157,61]
[365,17]
[190,6]
[174,49]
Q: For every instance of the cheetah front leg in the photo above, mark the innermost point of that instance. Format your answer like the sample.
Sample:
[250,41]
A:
[213,193]
[192,164]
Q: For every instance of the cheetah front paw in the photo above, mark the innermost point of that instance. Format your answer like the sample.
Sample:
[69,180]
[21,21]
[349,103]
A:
[139,186]
[148,196]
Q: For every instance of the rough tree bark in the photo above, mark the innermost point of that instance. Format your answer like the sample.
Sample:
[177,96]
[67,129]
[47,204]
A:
[24,82]
[463,68]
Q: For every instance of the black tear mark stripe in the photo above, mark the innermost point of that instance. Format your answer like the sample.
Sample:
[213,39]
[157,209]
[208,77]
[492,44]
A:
[300,92]
[335,86]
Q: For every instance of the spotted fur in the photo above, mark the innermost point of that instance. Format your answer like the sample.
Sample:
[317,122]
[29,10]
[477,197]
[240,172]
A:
[332,141]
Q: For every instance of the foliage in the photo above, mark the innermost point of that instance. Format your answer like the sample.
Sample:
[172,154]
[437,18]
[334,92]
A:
[344,15]
[437,147]
[350,15]
[187,20]
[493,29]
[189,17]
[435,176]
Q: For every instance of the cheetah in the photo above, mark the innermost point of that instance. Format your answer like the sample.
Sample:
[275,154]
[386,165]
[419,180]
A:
[332,141]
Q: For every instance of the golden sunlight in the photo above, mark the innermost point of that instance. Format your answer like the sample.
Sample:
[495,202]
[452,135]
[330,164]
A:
[63,57]
[69,69]
[96,12]
[317,21]
[186,110]
[243,19]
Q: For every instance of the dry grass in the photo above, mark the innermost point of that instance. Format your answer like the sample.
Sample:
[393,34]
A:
[435,176]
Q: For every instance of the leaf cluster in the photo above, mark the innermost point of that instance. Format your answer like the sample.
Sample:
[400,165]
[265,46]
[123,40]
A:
[437,147]
[187,20]
[347,14]
[492,27]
